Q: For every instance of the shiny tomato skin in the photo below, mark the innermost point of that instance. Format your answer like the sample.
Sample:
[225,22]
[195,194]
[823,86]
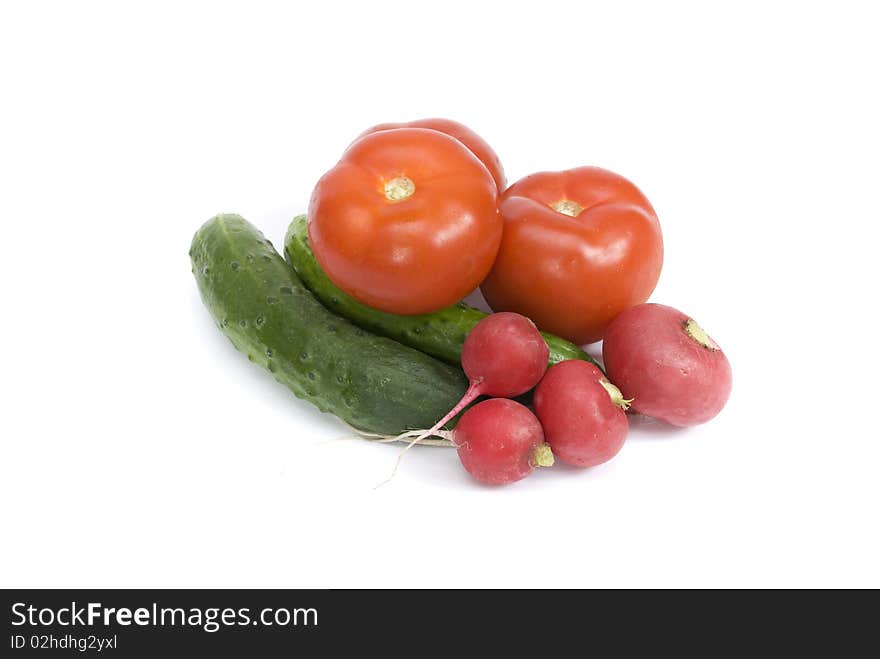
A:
[412,255]
[573,275]
[463,134]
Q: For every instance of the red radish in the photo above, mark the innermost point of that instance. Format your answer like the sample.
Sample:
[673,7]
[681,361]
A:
[503,355]
[583,414]
[668,364]
[500,441]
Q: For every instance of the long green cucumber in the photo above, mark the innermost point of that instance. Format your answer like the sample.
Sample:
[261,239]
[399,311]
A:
[372,382]
[440,334]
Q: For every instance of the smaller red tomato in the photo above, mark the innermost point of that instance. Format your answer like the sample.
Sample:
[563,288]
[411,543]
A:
[579,247]
[478,146]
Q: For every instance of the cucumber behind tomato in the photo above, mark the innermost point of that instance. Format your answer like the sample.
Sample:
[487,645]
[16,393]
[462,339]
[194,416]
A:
[440,334]
[256,299]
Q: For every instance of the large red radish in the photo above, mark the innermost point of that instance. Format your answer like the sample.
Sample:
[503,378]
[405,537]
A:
[668,364]
[500,441]
[582,413]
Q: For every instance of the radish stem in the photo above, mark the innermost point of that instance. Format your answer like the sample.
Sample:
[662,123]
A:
[699,335]
[615,394]
[474,390]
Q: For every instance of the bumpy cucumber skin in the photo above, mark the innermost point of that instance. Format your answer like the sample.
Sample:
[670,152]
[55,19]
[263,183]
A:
[440,334]
[259,303]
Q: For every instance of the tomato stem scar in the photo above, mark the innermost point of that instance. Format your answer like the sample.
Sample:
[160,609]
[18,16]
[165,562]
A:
[567,207]
[399,188]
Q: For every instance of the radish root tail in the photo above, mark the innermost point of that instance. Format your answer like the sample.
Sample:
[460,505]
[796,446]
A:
[474,390]
[442,439]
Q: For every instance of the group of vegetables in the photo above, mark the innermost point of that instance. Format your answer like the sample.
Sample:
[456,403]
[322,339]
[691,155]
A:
[364,318]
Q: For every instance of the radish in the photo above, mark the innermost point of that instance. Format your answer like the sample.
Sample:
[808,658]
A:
[582,413]
[503,355]
[668,364]
[500,441]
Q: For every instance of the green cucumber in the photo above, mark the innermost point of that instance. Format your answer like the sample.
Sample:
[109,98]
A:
[440,334]
[371,382]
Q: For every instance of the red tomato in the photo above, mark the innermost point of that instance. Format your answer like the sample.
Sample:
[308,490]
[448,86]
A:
[579,247]
[407,222]
[463,134]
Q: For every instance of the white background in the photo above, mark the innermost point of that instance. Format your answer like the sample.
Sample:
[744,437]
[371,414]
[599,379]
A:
[139,449]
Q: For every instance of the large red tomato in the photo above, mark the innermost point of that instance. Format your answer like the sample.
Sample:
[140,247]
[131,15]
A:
[579,247]
[463,134]
[407,222]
